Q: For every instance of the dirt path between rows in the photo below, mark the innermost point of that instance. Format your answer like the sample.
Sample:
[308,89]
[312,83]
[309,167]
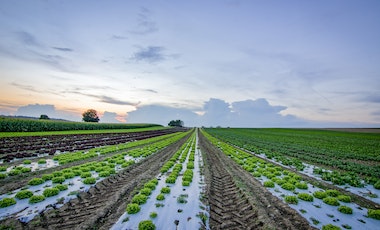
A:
[15,182]
[238,201]
[103,204]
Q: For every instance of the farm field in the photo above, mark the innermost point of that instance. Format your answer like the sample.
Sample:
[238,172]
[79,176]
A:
[197,179]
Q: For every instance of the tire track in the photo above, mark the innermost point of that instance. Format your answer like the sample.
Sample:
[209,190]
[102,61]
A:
[238,201]
[103,204]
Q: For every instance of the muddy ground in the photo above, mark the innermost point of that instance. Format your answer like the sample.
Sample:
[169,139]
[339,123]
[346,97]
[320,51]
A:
[236,199]
[103,204]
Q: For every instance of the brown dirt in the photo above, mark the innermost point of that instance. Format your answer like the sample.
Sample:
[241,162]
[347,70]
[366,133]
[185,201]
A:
[103,204]
[238,201]
[15,182]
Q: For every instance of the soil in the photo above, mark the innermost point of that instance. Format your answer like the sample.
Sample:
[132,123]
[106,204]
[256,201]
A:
[15,182]
[32,146]
[238,201]
[103,204]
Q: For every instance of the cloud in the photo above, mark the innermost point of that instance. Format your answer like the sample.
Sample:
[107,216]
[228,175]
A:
[25,87]
[27,38]
[373,98]
[109,117]
[103,98]
[150,54]
[118,37]
[36,110]
[159,114]
[145,25]
[63,49]
[114,101]
[217,112]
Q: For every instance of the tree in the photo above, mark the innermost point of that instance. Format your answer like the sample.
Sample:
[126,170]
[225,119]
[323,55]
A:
[44,117]
[177,123]
[90,116]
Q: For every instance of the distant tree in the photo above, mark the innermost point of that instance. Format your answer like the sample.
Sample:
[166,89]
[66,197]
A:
[177,123]
[44,117]
[90,116]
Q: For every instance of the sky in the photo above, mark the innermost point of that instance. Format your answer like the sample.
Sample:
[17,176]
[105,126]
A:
[229,63]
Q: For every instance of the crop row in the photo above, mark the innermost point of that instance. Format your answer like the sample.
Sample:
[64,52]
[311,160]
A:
[89,173]
[169,173]
[280,179]
[354,154]
[65,158]
[31,125]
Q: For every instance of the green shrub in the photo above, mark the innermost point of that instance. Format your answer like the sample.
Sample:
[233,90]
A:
[154,181]
[26,170]
[104,174]
[170,180]
[89,180]
[23,194]
[51,192]
[165,190]
[36,199]
[153,215]
[374,213]
[3,175]
[57,173]
[291,199]
[14,172]
[42,161]
[256,174]
[35,181]
[269,184]
[331,201]
[344,198]
[377,185]
[85,174]
[288,186]
[146,191]
[6,202]
[320,194]
[332,192]
[133,208]
[305,197]
[61,187]
[58,179]
[69,175]
[160,197]
[330,227]
[147,225]
[139,199]
[345,209]
[27,162]
[47,177]
[301,185]
[3,168]
[150,185]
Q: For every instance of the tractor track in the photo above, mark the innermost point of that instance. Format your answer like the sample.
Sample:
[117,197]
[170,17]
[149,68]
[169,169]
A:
[102,205]
[238,201]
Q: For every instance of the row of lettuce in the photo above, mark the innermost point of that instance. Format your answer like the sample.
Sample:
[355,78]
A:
[65,158]
[286,180]
[85,171]
[172,168]
[355,156]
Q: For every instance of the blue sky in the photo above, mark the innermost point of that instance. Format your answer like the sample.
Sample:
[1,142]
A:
[218,62]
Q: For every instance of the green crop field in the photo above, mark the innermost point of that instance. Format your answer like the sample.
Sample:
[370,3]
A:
[34,125]
[353,152]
